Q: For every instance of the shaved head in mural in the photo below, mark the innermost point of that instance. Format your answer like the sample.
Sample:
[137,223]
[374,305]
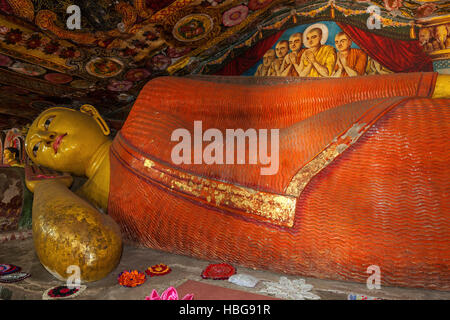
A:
[282,48]
[313,37]
[295,41]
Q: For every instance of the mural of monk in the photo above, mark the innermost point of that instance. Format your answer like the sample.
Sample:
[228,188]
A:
[318,60]
[441,36]
[264,68]
[350,61]
[292,60]
[281,50]
[425,39]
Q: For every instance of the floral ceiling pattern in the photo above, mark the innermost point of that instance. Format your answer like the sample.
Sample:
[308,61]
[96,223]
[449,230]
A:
[121,44]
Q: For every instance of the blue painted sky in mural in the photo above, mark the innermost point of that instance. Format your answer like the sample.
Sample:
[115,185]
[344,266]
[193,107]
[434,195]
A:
[333,29]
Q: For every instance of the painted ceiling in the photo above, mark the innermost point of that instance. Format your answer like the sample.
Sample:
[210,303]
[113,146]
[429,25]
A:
[123,44]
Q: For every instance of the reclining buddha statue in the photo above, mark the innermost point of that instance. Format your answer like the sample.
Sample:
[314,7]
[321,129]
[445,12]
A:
[361,178]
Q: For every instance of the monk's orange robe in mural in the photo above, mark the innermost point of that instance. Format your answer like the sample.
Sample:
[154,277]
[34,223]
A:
[362,179]
[356,60]
[293,72]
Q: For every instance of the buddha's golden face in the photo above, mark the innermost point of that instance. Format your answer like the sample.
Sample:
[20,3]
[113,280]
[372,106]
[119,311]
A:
[64,139]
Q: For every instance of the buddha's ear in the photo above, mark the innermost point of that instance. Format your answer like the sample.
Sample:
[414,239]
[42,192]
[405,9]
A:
[90,110]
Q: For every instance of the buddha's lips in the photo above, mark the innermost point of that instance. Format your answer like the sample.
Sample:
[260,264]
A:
[57,142]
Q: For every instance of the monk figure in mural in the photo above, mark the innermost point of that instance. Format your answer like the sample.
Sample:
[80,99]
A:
[264,69]
[426,39]
[292,59]
[281,50]
[442,37]
[362,177]
[318,60]
[350,62]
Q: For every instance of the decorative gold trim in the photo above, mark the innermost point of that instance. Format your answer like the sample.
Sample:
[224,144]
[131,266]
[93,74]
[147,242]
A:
[433,21]
[443,54]
[278,209]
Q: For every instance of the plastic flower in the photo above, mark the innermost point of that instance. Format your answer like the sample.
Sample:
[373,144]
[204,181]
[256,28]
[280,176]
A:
[289,289]
[170,294]
[131,278]
[219,271]
[158,270]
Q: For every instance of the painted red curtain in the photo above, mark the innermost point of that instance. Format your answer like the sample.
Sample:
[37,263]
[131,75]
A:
[248,59]
[396,55]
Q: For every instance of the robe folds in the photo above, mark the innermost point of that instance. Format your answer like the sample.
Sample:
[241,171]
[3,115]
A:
[362,179]
[326,56]
[356,60]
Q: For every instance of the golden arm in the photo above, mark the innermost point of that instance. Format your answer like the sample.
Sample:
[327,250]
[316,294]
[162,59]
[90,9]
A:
[67,231]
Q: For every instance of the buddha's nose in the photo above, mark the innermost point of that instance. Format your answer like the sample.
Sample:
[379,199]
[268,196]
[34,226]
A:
[47,136]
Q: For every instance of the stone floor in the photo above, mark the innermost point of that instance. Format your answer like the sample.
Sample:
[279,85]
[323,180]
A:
[21,253]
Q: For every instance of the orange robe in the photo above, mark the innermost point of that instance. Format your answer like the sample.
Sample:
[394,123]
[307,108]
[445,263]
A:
[356,60]
[293,72]
[363,177]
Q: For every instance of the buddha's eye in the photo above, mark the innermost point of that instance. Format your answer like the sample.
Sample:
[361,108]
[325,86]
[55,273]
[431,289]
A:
[48,121]
[36,148]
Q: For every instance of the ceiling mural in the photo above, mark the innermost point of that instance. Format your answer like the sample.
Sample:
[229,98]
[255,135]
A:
[122,44]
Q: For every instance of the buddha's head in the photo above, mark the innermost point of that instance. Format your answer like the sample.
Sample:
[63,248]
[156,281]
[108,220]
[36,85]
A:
[342,42]
[65,139]
[295,42]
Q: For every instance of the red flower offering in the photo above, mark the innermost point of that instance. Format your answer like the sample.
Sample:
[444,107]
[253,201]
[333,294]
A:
[221,271]
[158,270]
[131,278]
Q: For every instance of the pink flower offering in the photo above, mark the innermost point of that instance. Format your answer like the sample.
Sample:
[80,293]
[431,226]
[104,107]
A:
[170,294]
